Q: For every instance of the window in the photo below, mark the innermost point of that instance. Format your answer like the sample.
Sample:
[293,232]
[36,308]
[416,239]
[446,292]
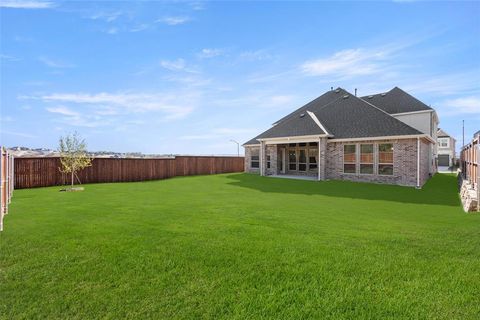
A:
[349,157]
[313,144]
[312,158]
[366,159]
[292,145]
[254,162]
[302,144]
[302,160]
[268,162]
[292,159]
[385,159]
[443,142]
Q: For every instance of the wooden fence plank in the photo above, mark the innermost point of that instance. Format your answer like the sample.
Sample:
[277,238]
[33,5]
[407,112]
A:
[43,172]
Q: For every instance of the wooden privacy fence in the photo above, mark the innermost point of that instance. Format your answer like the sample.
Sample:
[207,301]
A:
[43,172]
[6,189]
[470,163]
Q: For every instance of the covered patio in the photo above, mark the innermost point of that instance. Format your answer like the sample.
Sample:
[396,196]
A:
[301,157]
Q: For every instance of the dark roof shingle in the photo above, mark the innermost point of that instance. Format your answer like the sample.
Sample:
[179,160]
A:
[396,101]
[342,115]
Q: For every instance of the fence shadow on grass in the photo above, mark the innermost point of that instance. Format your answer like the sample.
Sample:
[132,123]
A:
[439,190]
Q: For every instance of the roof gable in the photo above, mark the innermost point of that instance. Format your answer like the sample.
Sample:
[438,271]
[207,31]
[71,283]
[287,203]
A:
[340,115]
[396,101]
[352,117]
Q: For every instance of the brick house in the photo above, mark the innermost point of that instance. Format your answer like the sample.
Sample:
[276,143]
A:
[383,138]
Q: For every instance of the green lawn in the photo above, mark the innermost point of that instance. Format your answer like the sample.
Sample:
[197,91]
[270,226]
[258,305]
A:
[241,246]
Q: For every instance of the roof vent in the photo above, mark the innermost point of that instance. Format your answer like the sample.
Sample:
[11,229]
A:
[302,115]
[337,91]
[370,97]
[384,94]
[345,96]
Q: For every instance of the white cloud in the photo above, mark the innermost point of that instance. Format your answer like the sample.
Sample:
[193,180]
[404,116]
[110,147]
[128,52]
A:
[6,119]
[63,111]
[26,4]
[174,20]
[446,84]
[210,53]
[112,30]
[255,55]
[470,105]
[219,133]
[139,27]
[172,105]
[106,16]
[54,63]
[173,65]
[258,100]
[177,65]
[6,57]
[197,5]
[351,62]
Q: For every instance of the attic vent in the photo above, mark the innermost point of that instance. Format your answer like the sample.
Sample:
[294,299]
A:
[337,91]
[370,97]
[345,96]
[384,94]
[302,115]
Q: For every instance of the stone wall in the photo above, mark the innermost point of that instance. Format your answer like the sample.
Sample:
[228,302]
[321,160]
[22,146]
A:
[468,195]
[404,163]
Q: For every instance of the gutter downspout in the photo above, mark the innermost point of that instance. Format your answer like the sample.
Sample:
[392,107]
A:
[418,163]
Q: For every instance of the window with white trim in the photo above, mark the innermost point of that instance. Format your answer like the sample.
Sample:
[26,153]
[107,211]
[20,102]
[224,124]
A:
[385,159]
[443,142]
[349,158]
[366,159]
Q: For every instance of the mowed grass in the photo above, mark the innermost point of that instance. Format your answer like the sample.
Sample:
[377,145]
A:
[240,246]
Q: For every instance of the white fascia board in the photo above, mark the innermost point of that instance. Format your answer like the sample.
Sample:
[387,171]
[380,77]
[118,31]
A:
[314,118]
[295,139]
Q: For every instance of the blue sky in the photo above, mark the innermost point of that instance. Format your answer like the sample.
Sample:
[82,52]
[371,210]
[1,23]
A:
[186,77]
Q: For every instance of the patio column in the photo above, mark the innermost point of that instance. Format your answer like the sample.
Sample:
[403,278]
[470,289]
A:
[262,158]
[319,165]
[322,151]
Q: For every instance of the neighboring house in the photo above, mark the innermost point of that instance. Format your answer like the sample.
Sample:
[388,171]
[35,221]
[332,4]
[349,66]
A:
[445,149]
[384,138]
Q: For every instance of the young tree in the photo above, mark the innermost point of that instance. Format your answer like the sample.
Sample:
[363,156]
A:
[73,154]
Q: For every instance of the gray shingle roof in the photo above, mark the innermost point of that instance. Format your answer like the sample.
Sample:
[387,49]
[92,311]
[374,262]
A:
[441,133]
[396,101]
[343,116]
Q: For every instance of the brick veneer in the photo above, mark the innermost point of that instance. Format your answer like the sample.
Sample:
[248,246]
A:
[331,162]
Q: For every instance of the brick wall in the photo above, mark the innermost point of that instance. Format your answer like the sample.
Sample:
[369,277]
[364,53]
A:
[404,163]
[425,152]
[249,151]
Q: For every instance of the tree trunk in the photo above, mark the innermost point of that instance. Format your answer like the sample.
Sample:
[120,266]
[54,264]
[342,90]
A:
[72,178]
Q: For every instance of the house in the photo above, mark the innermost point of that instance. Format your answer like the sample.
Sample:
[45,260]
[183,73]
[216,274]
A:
[445,149]
[383,138]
